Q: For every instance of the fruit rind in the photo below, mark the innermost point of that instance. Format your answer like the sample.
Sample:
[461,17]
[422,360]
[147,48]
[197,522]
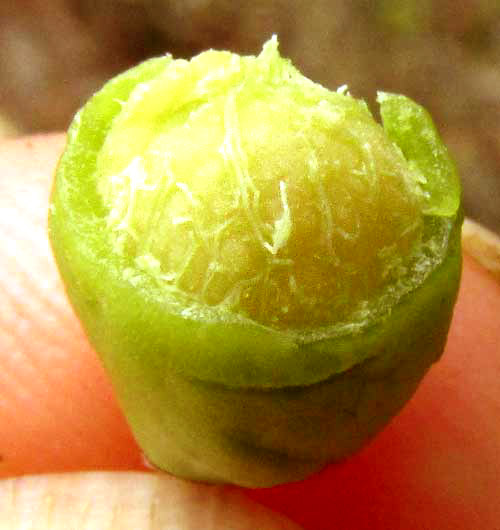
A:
[412,129]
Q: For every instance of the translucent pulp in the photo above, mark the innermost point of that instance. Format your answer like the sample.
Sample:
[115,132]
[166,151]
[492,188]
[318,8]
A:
[243,185]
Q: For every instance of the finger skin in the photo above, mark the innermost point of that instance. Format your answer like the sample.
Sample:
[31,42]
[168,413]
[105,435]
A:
[436,466]
[128,501]
[57,410]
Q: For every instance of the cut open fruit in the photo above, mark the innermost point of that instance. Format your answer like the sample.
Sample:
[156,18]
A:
[266,271]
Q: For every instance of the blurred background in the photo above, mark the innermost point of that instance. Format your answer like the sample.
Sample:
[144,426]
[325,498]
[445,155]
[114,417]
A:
[444,53]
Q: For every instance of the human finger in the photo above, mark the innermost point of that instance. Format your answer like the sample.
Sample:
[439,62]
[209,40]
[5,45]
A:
[57,410]
[128,501]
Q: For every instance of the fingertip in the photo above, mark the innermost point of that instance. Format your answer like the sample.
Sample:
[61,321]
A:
[57,409]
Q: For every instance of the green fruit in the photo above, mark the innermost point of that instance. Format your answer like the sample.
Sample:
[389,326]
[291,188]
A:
[266,272]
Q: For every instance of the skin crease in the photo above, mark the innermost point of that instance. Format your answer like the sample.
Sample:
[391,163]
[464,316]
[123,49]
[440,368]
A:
[437,465]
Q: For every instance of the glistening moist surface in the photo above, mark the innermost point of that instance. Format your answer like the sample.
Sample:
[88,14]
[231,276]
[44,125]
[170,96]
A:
[246,187]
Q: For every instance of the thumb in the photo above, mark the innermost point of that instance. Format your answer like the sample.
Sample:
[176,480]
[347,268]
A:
[128,500]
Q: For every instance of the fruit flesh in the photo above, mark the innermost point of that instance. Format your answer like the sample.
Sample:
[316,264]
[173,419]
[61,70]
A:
[252,189]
